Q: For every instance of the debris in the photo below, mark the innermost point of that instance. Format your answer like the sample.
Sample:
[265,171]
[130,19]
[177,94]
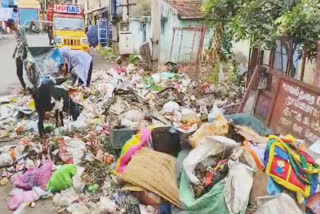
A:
[4,181]
[106,205]
[78,208]
[65,198]
[71,150]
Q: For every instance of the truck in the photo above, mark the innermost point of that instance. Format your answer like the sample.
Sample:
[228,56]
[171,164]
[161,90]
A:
[67,27]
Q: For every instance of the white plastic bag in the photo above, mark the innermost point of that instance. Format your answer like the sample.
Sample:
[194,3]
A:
[170,107]
[238,186]
[280,204]
[215,112]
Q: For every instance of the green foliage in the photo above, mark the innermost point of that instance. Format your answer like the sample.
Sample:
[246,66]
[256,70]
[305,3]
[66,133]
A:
[264,21]
[142,8]
[107,52]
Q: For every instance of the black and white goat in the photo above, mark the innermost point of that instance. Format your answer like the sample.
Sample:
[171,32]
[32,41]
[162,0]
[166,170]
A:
[48,98]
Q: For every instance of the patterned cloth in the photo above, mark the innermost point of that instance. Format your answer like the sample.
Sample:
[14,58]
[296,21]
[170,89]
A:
[21,44]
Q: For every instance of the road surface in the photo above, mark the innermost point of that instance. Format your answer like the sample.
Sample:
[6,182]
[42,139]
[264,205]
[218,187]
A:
[8,77]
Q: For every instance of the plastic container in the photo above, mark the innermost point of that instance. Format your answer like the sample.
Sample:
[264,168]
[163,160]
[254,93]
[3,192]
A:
[119,136]
[165,141]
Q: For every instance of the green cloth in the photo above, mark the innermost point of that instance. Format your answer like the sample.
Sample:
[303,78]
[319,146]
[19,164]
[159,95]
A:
[62,178]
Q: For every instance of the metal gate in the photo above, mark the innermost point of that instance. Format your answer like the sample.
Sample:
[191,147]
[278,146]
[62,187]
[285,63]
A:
[187,44]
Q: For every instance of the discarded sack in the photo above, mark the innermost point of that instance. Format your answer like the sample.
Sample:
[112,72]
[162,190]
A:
[155,172]
[209,146]
[35,177]
[62,178]
[211,202]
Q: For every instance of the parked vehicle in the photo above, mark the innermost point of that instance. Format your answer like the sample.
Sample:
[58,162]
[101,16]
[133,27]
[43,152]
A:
[67,28]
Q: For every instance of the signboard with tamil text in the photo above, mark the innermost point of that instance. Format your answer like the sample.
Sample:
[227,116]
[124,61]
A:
[297,110]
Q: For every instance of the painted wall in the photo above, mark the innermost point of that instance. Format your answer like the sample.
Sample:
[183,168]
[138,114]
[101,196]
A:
[141,32]
[183,41]
[27,14]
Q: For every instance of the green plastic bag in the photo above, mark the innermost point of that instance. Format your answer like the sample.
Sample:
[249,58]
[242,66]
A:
[62,178]
[212,202]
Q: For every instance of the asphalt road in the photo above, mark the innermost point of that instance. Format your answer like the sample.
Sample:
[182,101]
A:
[8,77]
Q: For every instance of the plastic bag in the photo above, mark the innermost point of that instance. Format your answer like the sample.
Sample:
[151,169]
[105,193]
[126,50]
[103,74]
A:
[281,204]
[71,150]
[35,177]
[214,113]
[6,159]
[208,147]
[238,186]
[19,197]
[170,107]
[62,178]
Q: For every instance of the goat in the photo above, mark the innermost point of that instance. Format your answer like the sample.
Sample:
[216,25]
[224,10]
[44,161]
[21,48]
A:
[48,98]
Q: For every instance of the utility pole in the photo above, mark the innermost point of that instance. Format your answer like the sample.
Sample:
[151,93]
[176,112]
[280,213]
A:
[155,24]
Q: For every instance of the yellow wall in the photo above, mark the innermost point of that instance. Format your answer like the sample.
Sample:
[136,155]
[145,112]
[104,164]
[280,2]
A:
[29,4]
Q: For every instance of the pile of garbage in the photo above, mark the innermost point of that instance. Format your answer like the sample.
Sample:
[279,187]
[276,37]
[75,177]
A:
[153,143]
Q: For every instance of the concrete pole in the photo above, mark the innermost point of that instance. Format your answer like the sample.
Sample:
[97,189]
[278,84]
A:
[155,23]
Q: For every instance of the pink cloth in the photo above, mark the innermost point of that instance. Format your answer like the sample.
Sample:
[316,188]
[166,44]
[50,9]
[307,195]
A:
[125,159]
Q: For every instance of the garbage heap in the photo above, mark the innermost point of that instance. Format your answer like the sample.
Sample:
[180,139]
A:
[154,143]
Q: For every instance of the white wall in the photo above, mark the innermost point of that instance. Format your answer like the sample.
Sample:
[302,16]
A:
[137,30]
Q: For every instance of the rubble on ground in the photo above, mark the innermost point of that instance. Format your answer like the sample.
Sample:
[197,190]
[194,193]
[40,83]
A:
[116,159]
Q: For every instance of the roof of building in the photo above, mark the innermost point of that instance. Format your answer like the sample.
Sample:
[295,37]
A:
[187,9]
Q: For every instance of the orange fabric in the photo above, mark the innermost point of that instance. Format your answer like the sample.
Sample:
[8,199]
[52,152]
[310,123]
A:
[259,163]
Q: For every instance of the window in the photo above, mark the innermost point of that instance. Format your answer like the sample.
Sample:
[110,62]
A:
[281,57]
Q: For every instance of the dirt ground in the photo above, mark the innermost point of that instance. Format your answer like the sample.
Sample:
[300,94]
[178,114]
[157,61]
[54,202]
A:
[42,206]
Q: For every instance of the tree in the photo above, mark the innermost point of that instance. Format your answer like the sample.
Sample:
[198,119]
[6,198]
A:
[142,8]
[263,22]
